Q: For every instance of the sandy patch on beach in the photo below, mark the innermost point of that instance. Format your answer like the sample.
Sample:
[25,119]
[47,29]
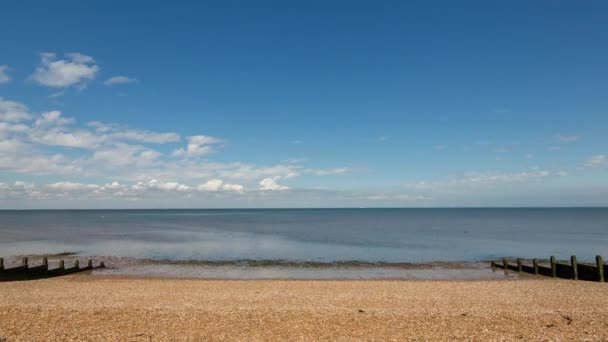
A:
[86,308]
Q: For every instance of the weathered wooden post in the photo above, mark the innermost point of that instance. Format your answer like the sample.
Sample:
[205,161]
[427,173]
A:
[493,264]
[76,264]
[519,266]
[1,264]
[574,267]
[553,267]
[535,264]
[90,264]
[45,263]
[600,268]
[61,265]
[505,262]
[24,261]
[102,265]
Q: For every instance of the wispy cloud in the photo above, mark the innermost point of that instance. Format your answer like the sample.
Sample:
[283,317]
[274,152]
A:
[56,94]
[4,78]
[114,80]
[13,111]
[596,160]
[475,179]
[567,138]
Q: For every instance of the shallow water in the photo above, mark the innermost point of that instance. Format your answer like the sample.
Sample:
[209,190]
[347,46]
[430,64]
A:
[326,235]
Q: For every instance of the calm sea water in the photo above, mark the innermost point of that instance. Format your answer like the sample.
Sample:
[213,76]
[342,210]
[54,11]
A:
[388,235]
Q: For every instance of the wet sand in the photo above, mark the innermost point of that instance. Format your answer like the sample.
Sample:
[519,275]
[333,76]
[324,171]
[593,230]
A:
[104,308]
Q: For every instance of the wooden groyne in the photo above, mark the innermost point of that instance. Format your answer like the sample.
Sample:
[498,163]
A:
[27,271]
[551,267]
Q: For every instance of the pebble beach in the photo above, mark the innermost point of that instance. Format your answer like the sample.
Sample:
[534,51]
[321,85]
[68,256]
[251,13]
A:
[108,308]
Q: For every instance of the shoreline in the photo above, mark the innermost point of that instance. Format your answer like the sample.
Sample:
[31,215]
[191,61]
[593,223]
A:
[276,269]
[85,307]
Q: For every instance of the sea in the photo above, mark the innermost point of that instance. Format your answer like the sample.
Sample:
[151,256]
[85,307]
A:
[306,243]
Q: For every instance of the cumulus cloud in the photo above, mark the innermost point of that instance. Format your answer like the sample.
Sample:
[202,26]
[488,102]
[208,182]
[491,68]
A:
[74,70]
[119,80]
[198,145]
[270,184]
[13,111]
[4,78]
[50,129]
[71,186]
[597,160]
[163,186]
[51,143]
[215,185]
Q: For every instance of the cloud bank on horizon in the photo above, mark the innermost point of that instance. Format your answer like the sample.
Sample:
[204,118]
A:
[303,122]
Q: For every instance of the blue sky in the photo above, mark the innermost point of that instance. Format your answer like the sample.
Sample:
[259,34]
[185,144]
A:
[303,104]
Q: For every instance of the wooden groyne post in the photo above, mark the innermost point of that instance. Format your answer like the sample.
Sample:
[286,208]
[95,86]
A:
[553,267]
[600,268]
[574,265]
[568,270]
[25,271]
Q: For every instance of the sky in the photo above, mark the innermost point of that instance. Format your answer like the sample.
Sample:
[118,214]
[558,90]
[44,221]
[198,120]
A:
[221,104]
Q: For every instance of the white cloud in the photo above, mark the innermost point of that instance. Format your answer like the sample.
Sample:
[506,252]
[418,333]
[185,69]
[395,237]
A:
[52,129]
[327,172]
[119,80]
[597,160]
[4,78]
[74,70]
[122,154]
[6,128]
[234,188]
[211,185]
[26,161]
[198,145]
[113,132]
[53,118]
[215,185]
[13,111]
[270,184]
[167,186]
[56,94]
[249,171]
[71,186]
[53,144]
